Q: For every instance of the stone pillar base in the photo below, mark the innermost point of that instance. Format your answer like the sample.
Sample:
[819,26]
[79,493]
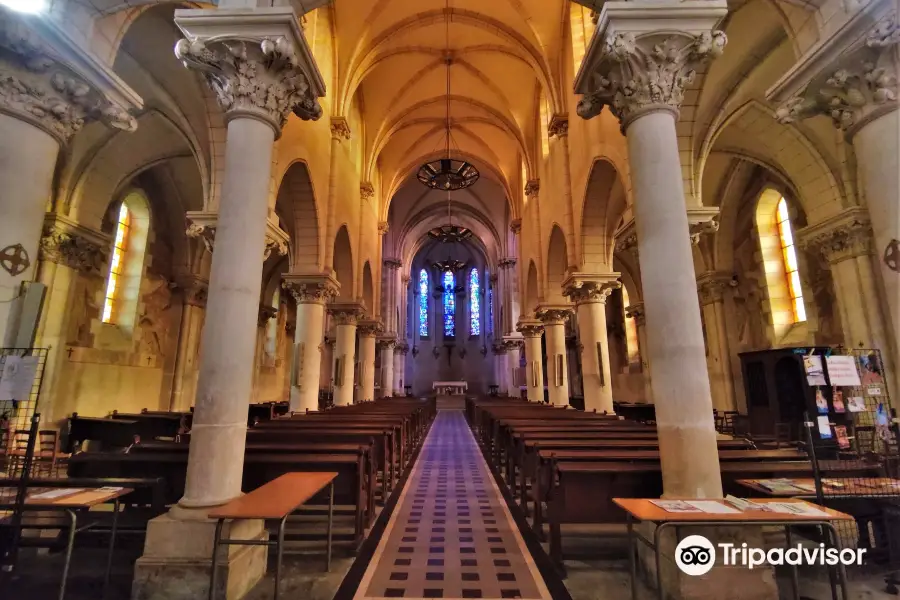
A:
[178,554]
[732,582]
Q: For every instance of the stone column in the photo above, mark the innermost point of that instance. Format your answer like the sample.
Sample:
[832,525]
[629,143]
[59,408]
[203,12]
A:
[44,101]
[711,288]
[326,373]
[554,319]
[340,131]
[261,70]
[400,367]
[346,316]
[507,271]
[499,351]
[368,331]
[512,344]
[624,75]
[531,330]
[845,241]
[589,294]
[636,312]
[854,82]
[311,293]
[387,346]
[515,227]
[559,128]
[194,294]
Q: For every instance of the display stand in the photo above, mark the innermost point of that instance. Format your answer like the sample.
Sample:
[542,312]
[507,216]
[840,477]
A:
[851,434]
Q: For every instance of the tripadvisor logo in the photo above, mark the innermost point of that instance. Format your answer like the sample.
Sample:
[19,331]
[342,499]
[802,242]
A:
[695,555]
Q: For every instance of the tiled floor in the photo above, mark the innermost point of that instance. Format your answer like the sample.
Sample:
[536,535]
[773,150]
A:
[452,535]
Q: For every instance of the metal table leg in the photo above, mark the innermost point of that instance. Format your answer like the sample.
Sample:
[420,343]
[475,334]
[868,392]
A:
[795,581]
[841,572]
[112,547]
[213,577]
[657,534]
[73,524]
[632,561]
[279,554]
[330,522]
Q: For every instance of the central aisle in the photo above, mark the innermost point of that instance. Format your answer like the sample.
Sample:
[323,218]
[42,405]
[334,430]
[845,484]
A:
[451,535]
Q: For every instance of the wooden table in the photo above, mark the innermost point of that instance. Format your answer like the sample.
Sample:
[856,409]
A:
[71,504]
[276,500]
[643,510]
[848,488]
[450,387]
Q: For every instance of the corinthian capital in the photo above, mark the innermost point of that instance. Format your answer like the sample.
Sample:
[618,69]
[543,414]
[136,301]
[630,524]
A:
[651,72]
[583,288]
[370,328]
[844,236]
[645,55]
[65,243]
[553,314]
[49,81]
[711,287]
[530,328]
[532,187]
[636,312]
[346,313]
[311,289]
[860,84]
[262,68]
[366,191]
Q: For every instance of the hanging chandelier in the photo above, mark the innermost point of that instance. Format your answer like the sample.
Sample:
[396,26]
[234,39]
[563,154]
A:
[450,234]
[448,173]
[451,264]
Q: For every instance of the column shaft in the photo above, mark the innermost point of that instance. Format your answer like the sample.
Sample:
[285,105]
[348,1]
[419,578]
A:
[557,369]
[687,436]
[218,435]
[344,348]
[387,371]
[512,363]
[367,367]
[27,162]
[596,378]
[534,370]
[307,339]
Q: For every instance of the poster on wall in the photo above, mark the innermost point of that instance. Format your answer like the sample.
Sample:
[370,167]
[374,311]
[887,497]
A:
[870,369]
[837,400]
[857,404]
[842,370]
[17,377]
[821,402]
[840,432]
[815,374]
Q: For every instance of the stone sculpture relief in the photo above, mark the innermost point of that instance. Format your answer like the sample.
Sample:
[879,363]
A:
[153,322]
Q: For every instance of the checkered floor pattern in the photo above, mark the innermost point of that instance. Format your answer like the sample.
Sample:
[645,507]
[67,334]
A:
[452,535]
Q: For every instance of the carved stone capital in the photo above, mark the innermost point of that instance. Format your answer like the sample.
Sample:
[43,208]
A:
[346,313]
[584,288]
[340,128]
[49,81]
[558,126]
[265,313]
[66,243]
[498,349]
[311,289]
[261,68]
[277,240]
[711,287]
[494,278]
[405,279]
[194,290]
[636,312]
[532,188]
[507,263]
[366,191]
[516,226]
[626,238]
[513,343]
[702,220]
[853,87]
[530,328]
[841,237]
[402,349]
[555,314]
[645,56]
[370,328]
[383,227]
[393,263]
[202,225]
[386,343]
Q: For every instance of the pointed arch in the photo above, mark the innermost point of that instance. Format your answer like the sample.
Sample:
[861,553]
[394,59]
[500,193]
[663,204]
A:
[556,263]
[343,263]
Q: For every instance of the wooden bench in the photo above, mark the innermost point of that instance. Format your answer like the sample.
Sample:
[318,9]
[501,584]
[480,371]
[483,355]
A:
[275,501]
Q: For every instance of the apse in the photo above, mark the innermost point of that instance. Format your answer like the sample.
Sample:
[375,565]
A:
[450,307]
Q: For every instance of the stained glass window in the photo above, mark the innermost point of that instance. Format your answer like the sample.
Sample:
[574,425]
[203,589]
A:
[117,264]
[789,255]
[423,303]
[449,304]
[474,303]
[490,301]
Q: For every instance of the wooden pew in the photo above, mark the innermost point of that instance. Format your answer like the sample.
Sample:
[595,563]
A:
[111,433]
[150,427]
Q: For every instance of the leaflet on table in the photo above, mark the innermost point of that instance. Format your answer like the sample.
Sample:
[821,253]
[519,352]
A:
[56,493]
[797,508]
[694,506]
[779,485]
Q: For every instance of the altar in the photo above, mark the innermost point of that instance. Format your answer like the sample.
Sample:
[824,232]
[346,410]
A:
[450,388]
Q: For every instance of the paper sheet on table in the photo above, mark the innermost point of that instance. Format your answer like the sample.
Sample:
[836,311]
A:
[56,494]
[797,508]
[110,489]
[712,507]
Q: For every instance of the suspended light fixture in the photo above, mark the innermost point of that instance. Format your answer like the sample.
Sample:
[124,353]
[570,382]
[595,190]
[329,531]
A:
[448,174]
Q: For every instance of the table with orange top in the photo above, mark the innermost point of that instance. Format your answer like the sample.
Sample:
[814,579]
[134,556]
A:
[275,501]
[643,510]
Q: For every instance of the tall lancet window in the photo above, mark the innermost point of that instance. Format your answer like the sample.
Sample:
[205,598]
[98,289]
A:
[117,265]
[423,303]
[789,256]
[490,303]
[474,303]
[449,304]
